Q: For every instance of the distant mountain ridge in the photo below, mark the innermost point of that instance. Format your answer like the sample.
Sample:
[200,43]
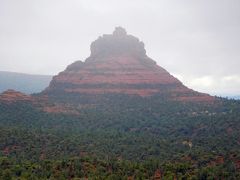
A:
[26,83]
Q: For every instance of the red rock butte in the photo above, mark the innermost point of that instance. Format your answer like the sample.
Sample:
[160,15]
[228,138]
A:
[11,96]
[118,64]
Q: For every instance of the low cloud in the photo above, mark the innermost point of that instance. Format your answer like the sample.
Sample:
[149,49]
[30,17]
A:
[215,85]
[197,40]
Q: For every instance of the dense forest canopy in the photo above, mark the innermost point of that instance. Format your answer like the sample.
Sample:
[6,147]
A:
[116,136]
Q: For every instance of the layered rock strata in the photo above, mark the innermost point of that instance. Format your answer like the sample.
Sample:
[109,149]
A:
[118,64]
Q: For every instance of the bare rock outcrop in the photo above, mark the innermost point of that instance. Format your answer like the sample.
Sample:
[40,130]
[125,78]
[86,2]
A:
[118,64]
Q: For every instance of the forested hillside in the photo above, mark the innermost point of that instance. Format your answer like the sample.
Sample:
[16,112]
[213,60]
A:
[136,137]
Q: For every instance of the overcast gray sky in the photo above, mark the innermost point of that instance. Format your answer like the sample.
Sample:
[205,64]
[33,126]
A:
[197,41]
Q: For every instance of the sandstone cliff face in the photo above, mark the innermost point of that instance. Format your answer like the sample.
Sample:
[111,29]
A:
[118,64]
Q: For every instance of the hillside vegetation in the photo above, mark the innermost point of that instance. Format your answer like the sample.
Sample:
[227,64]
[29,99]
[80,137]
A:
[122,136]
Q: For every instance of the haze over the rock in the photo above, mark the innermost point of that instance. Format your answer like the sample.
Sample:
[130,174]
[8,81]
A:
[43,37]
[118,64]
